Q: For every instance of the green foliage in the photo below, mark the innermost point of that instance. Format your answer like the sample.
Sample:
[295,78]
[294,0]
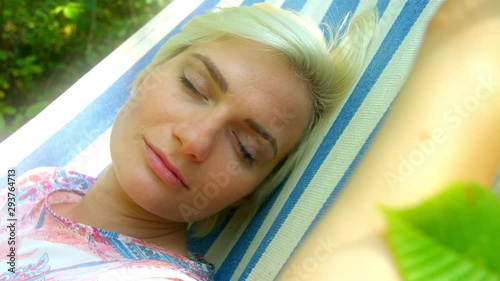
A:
[70,11]
[453,236]
[46,45]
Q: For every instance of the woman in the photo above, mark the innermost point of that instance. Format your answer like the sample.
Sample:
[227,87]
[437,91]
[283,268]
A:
[220,116]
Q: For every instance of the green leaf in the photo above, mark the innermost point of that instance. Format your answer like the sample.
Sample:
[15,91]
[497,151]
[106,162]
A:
[4,84]
[3,55]
[71,13]
[453,236]
[7,109]
[57,10]
[70,10]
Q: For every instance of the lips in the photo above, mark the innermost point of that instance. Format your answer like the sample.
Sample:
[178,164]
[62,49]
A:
[163,168]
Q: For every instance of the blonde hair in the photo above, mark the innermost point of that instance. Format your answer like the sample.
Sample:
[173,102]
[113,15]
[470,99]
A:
[329,67]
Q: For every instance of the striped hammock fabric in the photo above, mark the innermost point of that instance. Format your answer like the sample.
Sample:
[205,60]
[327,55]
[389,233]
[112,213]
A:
[74,130]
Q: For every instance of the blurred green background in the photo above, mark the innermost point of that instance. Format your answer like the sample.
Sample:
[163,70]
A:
[47,45]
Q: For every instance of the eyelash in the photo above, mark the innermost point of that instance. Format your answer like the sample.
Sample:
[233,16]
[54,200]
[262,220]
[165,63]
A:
[186,83]
[245,155]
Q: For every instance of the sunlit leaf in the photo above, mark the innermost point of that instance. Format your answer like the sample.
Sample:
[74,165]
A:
[72,10]
[57,10]
[453,236]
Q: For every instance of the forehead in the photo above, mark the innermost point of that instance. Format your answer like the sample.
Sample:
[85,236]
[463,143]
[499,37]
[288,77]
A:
[263,85]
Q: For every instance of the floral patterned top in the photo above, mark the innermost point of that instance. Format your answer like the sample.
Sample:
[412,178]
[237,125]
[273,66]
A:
[49,247]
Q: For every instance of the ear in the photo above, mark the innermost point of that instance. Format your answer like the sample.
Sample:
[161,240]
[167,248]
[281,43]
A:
[241,201]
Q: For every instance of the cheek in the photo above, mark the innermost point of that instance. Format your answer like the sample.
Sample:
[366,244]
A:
[125,132]
[228,184]
[120,131]
[231,183]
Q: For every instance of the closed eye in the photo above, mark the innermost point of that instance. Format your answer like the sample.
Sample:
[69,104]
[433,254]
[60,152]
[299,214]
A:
[192,89]
[243,152]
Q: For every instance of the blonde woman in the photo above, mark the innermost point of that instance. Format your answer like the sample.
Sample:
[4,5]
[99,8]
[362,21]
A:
[216,121]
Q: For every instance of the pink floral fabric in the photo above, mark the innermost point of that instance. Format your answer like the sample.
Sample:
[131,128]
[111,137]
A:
[50,247]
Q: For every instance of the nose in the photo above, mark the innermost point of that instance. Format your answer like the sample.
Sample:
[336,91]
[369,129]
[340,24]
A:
[197,136]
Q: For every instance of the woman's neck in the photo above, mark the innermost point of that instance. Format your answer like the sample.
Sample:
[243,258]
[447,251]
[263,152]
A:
[107,206]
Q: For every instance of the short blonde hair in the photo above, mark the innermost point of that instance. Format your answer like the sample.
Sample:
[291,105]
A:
[329,67]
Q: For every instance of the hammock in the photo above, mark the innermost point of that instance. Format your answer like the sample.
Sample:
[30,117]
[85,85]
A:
[74,130]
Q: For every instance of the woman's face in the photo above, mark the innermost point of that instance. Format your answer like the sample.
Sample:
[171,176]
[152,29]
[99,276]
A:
[206,127]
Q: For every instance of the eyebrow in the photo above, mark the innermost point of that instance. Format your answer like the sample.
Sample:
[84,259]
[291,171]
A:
[213,70]
[222,84]
[263,133]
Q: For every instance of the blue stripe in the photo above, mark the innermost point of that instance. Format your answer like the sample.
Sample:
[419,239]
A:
[295,5]
[81,131]
[343,180]
[382,6]
[201,245]
[250,2]
[348,173]
[227,268]
[406,19]
[414,10]
[234,257]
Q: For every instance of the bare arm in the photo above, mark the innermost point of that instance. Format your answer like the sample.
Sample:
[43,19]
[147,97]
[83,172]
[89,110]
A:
[443,127]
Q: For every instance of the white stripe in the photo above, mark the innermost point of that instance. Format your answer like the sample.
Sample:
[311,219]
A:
[327,177]
[228,235]
[316,9]
[229,3]
[342,154]
[275,3]
[94,158]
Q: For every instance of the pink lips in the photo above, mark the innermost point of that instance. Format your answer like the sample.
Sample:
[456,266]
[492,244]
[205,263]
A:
[164,168]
